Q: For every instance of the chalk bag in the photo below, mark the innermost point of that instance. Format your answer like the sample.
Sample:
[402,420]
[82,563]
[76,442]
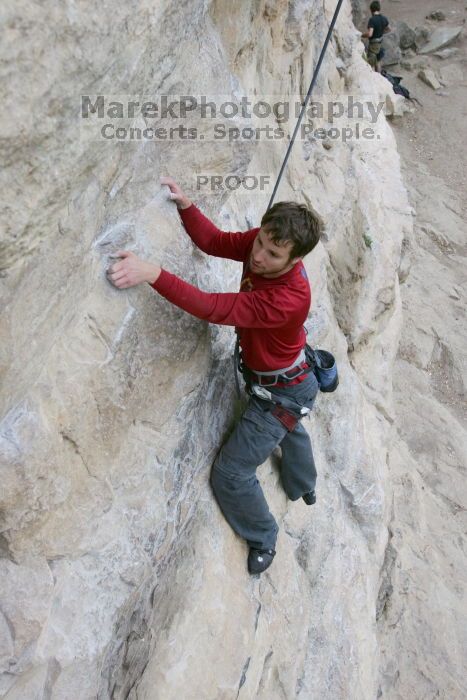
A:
[326,370]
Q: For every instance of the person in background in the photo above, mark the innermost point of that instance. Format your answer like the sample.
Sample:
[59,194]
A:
[378,25]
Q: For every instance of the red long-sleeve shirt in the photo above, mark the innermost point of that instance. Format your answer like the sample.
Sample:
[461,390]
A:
[268,313]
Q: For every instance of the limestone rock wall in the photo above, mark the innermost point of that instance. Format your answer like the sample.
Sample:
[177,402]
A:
[119,577]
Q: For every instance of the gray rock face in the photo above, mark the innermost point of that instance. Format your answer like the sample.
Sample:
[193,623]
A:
[406,35]
[446,53]
[392,52]
[441,37]
[360,11]
[120,578]
[421,35]
[423,595]
[429,78]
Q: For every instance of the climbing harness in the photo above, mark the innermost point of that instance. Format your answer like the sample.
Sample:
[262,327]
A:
[374,49]
[266,379]
[321,362]
[303,364]
[305,102]
[287,411]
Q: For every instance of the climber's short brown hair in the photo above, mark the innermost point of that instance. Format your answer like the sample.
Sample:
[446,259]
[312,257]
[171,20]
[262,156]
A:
[375,6]
[289,221]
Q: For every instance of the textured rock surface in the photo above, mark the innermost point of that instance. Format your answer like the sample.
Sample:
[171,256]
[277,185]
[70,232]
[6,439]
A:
[429,78]
[422,617]
[441,37]
[422,597]
[406,35]
[119,576]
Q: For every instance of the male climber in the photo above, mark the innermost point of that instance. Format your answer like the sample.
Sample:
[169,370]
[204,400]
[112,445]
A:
[378,25]
[268,312]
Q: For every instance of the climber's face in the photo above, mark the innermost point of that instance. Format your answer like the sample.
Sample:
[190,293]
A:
[270,259]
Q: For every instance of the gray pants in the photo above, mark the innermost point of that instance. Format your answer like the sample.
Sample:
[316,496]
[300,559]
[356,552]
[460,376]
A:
[233,475]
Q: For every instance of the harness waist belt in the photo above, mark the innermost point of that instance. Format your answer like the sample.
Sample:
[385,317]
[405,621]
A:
[279,375]
[297,361]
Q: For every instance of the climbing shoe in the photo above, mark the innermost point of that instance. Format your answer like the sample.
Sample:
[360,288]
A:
[309,498]
[259,560]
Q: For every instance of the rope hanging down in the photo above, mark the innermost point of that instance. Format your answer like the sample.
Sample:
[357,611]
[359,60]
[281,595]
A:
[307,98]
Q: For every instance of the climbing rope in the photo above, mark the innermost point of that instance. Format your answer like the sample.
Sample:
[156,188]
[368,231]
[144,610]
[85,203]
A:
[307,98]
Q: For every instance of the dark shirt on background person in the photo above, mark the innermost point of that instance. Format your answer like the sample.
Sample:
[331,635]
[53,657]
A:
[378,23]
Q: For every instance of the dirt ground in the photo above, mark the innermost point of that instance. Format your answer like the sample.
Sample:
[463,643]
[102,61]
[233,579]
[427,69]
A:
[423,628]
[435,134]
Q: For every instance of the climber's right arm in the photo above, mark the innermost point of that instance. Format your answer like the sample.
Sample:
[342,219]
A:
[204,233]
